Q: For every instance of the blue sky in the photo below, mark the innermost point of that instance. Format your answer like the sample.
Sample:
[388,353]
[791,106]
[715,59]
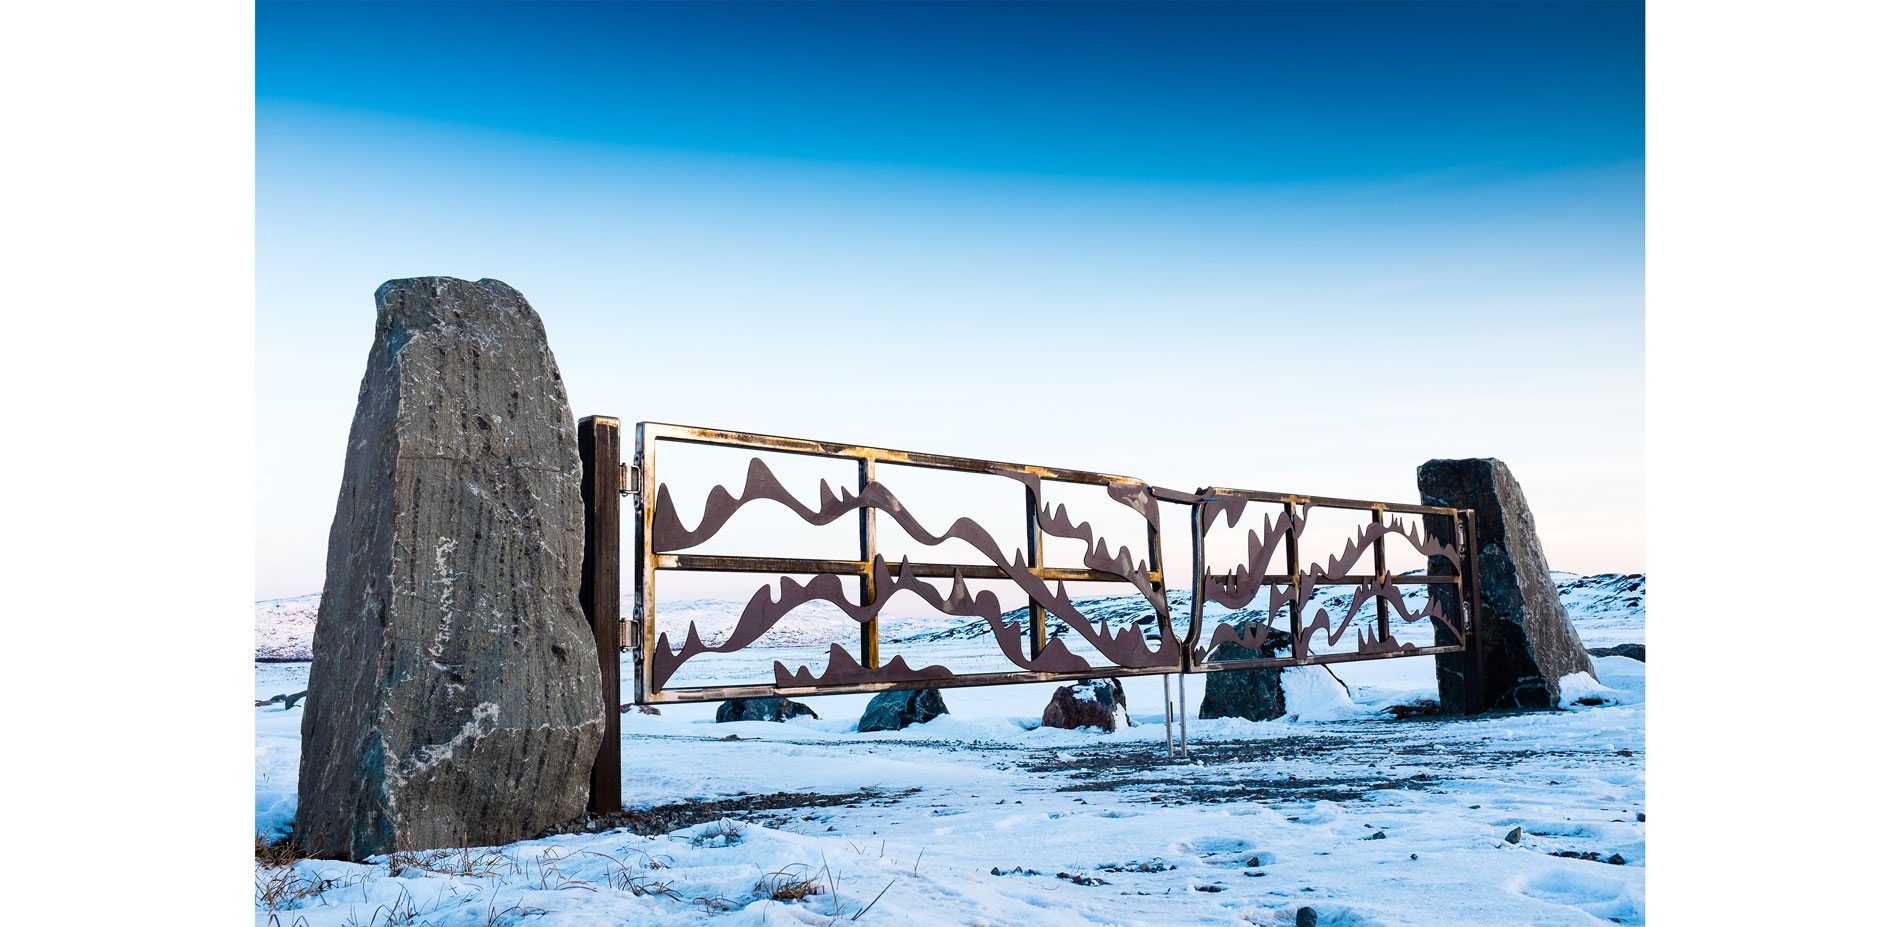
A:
[1296,247]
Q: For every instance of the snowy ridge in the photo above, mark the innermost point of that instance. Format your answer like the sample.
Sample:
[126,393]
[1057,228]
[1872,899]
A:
[1607,609]
[285,626]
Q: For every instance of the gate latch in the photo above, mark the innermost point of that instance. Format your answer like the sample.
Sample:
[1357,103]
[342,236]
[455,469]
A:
[629,479]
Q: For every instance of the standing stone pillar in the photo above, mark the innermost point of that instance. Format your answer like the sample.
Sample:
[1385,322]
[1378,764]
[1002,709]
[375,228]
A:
[1528,641]
[455,694]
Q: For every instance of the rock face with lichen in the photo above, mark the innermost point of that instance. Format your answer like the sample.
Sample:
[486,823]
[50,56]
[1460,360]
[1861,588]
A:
[1529,643]
[455,695]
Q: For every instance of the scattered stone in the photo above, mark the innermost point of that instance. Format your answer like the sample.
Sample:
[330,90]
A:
[761,709]
[1254,862]
[1253,874]
[289,701]
[1098,703]
[1641,817]
[1590,701]
[1306,917]
[1254,694]
[1081,879]
[1633,651]
[894,711]
[1377,835]
[1209,888]
[1529,643]
[1616,859]
[1416,709]
[649,710]
[1414,855]
[1516,834]
[454,687]
[1149,866]
[1016,871]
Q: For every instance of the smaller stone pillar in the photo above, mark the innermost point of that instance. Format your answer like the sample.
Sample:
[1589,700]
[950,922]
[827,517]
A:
[1528,641]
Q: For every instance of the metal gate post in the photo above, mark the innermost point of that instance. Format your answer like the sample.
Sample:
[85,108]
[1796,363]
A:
[600,592]
[1475,701]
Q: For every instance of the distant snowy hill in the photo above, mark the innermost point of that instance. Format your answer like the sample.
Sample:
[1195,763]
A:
[1607,609]
[284,627]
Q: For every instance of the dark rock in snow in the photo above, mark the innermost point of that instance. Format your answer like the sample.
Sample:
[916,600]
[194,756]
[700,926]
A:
[1306,917]
[893,711]
[1254,694]
[454,689]
[1633,651]
[1516,834]
[762,709]
[1096,703]
[1529,642]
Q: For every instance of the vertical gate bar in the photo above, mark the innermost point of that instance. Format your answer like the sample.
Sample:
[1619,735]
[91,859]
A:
[1197,532]
[1474,626]
[867,549]
[1164,618]
[1378,567]
[1293,569]
[1038,619]
[644,596]
[600,592]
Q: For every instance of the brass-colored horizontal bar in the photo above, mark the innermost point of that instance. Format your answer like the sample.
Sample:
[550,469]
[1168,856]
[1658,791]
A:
[710,563]
[664,432]
[1353,579]
[1320,659]
[1328,502]
[723,693]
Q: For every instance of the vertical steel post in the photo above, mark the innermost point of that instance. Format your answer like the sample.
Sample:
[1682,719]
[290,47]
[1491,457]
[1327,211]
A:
[1167,703]
[1181,683]
[1038,618]
[867,550]
[1475,700]
[600,592]
[1378,567]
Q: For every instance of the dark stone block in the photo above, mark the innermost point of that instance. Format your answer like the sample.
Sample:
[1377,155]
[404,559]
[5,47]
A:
[894,711]
[1529,642]
[1255,694]
[1633,651]
[762,709]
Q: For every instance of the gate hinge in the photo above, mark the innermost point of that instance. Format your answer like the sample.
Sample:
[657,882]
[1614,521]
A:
[629,479]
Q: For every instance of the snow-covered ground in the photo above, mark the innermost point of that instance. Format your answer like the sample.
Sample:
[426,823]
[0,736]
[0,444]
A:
[1365,819]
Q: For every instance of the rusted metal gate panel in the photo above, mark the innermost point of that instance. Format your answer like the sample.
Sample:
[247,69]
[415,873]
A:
[1274,566]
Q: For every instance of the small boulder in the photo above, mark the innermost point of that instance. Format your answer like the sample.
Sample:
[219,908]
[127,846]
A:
[894,711]
[762,709]
[1633,651]
[1098,703]
[1306,917]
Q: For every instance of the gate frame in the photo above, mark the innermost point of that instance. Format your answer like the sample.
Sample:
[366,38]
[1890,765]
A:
[605,478]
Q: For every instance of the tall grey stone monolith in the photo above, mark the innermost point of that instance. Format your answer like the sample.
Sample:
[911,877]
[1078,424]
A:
[1529,642]
[454,693]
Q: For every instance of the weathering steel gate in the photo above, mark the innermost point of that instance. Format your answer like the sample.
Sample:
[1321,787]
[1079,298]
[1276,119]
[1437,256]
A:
[1444,536]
